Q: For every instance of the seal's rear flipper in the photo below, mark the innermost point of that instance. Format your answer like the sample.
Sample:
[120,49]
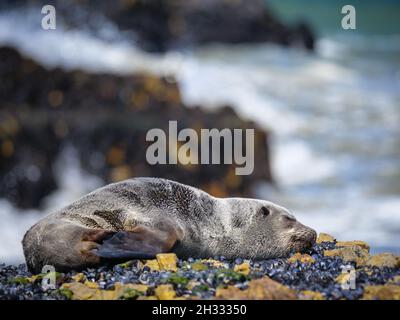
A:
[140,243]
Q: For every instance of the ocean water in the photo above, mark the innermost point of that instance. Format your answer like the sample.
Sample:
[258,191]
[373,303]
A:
[333,115]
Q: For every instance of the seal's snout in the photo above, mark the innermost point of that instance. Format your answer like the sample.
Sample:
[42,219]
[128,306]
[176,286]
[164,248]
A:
[303,238]
[312,237]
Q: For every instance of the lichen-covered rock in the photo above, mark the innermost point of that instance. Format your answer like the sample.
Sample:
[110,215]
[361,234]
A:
[324,237]
[260,289]
[231,293]
[310,295]
[384,260]
[359,243]
[80,291]
[152,264]
[267,289]
[383,292]
[90,291]
[349,254]
[243,268]
[167,261]
[92,285]
[165,292]
[303,258]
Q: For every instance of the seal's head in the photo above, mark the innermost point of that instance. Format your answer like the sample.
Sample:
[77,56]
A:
[268,230]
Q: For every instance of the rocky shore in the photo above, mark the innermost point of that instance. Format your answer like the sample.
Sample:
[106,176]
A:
[314,275]
[159,26]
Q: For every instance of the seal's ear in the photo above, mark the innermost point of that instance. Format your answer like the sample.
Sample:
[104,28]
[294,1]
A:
[140,243]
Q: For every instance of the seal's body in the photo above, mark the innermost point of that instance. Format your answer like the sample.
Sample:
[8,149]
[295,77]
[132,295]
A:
[141,217]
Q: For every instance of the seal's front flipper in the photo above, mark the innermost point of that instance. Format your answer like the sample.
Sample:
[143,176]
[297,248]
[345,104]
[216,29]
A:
[140,243]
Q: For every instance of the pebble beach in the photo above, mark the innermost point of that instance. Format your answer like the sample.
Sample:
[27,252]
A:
[324,272]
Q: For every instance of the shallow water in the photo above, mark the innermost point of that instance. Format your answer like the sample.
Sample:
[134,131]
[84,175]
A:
[334,119]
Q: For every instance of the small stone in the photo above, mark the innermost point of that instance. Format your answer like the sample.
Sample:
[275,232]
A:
[359,243]
[324,237]
[267,289]
[311,295]
[79,291]
[382,292]
[152,265]
[165,292]
[243,268]
[167,261]
[384,260]
[303,258]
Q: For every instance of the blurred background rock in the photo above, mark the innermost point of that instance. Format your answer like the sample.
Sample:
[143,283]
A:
[76,103]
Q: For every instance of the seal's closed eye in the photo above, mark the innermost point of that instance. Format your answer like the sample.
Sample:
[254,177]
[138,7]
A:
[265,211]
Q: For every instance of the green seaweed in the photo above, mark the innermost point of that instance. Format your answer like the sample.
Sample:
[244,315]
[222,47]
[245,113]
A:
[126,264]
[230,275]
[178,280]
[66,293]
[130,294]
[200,288]
[19,280]
[199,266]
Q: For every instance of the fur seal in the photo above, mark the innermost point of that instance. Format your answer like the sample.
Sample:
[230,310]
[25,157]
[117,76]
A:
[140,217]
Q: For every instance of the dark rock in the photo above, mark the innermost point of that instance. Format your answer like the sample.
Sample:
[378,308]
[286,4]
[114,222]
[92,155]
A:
[159,25]
[106,118]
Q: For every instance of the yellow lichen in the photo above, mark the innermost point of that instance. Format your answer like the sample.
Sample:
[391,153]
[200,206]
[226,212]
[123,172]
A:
[303,258]
[153,265]
[384,260]
[243,268]
[167,261]
[382,292]
[165,292]
[324,237]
